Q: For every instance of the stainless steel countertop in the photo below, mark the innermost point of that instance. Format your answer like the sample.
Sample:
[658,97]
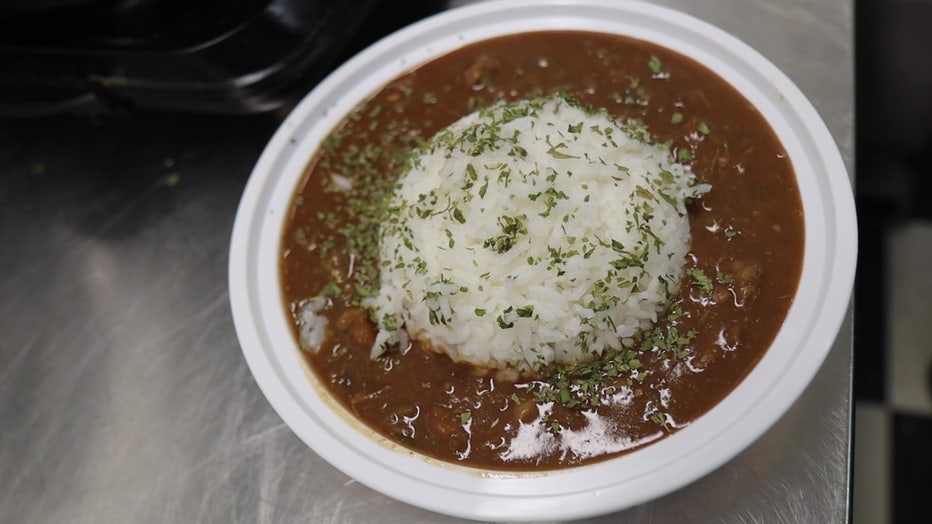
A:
[123,393]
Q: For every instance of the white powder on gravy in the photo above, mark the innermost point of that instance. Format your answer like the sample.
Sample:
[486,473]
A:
[532,233]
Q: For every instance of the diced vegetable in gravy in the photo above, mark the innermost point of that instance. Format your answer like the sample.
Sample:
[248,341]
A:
[741,273]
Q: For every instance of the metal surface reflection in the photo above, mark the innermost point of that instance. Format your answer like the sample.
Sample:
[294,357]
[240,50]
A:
[123,393]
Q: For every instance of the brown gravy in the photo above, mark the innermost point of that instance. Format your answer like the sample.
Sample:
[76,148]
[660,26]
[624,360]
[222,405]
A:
[743,268]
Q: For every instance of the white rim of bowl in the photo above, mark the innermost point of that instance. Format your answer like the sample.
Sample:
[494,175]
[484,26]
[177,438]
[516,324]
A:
[743,416]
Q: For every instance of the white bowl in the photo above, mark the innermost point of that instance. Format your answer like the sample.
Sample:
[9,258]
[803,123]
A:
[769,390]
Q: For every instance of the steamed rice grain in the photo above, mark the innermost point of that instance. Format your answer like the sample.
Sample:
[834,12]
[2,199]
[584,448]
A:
[532,233]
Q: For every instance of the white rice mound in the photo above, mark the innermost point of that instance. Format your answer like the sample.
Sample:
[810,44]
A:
[532,233]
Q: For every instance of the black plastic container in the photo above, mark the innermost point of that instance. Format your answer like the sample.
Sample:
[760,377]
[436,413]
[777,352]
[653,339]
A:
[208,56]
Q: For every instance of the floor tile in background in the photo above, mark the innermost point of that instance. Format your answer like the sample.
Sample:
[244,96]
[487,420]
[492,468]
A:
[909,318]
[872,464]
